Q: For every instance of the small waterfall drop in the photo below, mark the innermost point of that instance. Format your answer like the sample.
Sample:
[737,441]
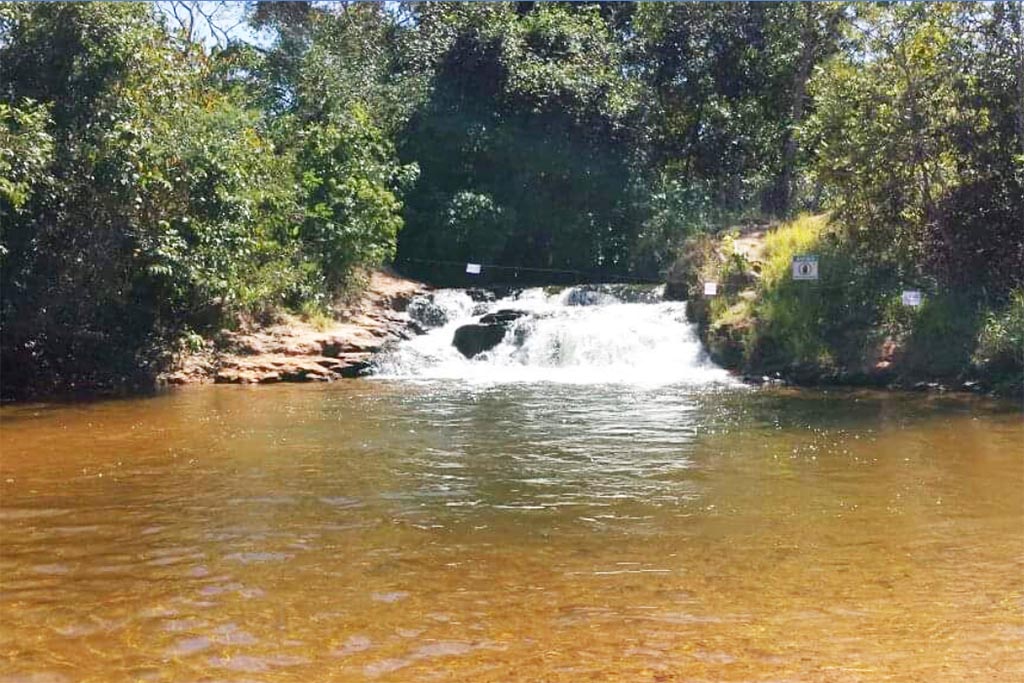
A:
[583,335]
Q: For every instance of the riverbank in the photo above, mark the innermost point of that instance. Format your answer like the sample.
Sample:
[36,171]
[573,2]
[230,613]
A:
[293,349]
[850,327]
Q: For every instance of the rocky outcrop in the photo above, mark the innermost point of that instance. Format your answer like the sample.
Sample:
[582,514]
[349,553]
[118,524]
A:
[293,350]
[472,340]
[427,313]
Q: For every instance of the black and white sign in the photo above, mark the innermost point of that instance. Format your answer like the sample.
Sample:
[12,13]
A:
[805,267]
[710,288]
[911,297]
[473,268]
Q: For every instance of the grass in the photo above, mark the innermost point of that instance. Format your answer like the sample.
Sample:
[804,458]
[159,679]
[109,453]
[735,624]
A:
[316,315]
[805,326]
[800,236]
[840,327]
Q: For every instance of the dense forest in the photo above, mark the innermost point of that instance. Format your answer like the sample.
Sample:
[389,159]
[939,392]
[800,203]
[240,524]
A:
[164,175]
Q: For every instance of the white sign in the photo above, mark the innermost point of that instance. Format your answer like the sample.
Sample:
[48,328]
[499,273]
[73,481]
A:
[805,267]
[911,297]
[710,288]
[473,268]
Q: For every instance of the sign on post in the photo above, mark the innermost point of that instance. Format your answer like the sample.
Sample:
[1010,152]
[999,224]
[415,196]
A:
[473,268]
[805,267]
[911,297]
[710,288]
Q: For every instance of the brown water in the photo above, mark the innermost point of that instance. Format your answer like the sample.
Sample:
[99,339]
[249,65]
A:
[390,531]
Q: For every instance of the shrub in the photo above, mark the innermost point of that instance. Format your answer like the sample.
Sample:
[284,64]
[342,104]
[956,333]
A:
[1000,349]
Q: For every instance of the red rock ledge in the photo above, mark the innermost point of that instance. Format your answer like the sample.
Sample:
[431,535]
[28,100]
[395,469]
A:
[293,350]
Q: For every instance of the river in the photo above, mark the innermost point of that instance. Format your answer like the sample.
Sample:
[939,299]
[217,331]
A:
[558,510]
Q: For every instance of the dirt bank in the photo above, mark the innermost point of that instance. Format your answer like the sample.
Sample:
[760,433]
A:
[294,350]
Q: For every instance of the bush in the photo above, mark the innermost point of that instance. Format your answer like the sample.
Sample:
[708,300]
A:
[826,327]
[943,333]
[851,324]
[1000,349]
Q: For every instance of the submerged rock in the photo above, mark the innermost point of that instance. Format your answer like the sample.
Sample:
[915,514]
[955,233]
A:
[474,339]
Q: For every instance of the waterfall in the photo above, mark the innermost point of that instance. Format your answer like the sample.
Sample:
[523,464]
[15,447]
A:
[589,334]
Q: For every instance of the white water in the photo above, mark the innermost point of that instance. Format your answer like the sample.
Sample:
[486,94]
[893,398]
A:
[607,341]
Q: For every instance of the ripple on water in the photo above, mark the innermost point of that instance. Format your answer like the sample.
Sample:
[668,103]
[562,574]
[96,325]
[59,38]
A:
[182,625]
[188,646]
[441,648]
[341,501]
[354,644]
[16,514]
[258,557]
[231,634]
[254,664]
[36,677]
[444,648]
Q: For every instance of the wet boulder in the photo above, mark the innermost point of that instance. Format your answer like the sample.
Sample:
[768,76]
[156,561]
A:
[480,295]
[588,296]
[426,312]
[503,317]
[474,339]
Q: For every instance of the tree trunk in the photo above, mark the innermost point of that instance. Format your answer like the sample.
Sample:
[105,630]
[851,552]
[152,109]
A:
[810,44]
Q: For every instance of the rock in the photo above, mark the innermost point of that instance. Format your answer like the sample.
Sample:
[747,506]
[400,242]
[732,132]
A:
[503,316]
[764,380]
[356,369]
[335,347]
[474,339]
[425,311]
[676,291]
[289,349]
[480,295]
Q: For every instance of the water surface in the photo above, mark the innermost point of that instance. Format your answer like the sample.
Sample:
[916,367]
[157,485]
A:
[396,530]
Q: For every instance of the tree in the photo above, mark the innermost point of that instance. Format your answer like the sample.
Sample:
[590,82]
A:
[914,136]
[728,84]
[526,142]
[152,203]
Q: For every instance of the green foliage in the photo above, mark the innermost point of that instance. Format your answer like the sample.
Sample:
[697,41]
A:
[151,189]
[144,198]
[676,211]
[823,323]
[26,150]
[1000,348]
[524,142]
[943,334]
[841,327]
[727,84]
[917,138]
[352,213]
